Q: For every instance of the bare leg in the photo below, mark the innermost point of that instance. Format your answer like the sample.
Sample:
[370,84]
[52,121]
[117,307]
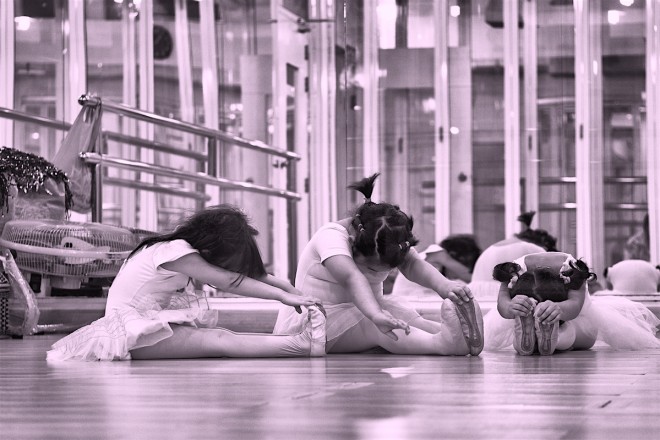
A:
[426,324]
[448,341]
[190,342]
[574,336]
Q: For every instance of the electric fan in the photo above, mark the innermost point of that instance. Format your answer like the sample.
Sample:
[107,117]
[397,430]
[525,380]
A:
[68,252]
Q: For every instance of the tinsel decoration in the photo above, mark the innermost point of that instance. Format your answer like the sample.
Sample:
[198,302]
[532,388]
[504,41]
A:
[28,172]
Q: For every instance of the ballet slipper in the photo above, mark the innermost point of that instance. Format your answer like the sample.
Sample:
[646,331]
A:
[547,336]
[314,330]
[472,325]
[524,337]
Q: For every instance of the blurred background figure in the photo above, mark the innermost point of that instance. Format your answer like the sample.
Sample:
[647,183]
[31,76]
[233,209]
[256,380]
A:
[527,241]
[454,258]
[637,246]
[631,277]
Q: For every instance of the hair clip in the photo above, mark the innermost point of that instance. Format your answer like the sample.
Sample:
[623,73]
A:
[406,243]
[360,227]
[514,280]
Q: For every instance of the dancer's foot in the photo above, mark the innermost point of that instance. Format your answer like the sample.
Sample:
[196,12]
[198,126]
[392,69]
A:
[314,331]
[472,325]
[547,336]
[524,338]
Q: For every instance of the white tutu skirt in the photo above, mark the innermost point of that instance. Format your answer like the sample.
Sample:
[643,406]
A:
[618,322]
[340,318]
[116,334]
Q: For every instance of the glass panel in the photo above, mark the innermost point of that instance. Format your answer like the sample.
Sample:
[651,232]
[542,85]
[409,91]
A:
[483,42]
[407,141]
[39,74]
[350,99]
[624,119]
[556,120]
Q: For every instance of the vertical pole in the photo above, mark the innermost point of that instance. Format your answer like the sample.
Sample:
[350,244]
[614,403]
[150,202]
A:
[512,191]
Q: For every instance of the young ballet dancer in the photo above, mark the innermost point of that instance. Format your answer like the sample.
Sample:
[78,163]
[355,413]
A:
[544,305]
[454,258]
[148,314]
[527,241]
[345,264]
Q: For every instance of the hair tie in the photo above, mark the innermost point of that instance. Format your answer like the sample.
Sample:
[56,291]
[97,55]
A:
[514,280]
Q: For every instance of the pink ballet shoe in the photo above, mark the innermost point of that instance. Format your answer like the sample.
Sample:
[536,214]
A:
[315,330]
[546,336]
[472,325]
[524,338]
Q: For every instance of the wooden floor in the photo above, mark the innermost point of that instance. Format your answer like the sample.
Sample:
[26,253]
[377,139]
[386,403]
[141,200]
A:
[599,394]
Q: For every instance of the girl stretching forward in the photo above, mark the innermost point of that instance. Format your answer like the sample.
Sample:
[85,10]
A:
[148,316]
[345,264]
[546,305]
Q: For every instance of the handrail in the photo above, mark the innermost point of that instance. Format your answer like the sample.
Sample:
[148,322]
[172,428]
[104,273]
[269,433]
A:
[176,124]
[14,115]
[95,158]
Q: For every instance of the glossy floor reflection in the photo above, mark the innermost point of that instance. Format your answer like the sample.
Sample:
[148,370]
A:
[598,394]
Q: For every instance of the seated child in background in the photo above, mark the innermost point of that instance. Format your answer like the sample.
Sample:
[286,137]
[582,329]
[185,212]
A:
[454,258]
[544,304]
[632,277]
[528,241]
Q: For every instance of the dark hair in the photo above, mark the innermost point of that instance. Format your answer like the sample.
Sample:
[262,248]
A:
[526,218]
[549,286]
[578,274]
[540,284]
[524,286]
[539,237]
[503,272]
[223,236]
[381,228]
[462,248]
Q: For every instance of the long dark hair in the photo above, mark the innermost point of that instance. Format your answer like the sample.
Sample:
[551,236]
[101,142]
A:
[381,228]
[223,236]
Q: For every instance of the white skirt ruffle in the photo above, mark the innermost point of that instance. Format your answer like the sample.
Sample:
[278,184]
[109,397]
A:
[122,330]
[618,322]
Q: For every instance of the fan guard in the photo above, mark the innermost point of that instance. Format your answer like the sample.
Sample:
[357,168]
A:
[68,251]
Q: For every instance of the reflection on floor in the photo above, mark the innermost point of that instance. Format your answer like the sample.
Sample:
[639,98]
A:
[598,394]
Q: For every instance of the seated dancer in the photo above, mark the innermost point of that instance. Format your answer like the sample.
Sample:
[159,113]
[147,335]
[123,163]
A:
[632,277]
[454,258]
[148,314]
[345,264]
[544,304]
[528,241]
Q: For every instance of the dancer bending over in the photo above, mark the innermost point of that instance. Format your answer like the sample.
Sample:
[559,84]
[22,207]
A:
[148,314]
[345,264]
[545,303]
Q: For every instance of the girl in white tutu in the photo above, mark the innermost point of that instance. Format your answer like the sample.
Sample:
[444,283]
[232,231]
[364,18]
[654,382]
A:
[544,305]
[148,314]
[345,264]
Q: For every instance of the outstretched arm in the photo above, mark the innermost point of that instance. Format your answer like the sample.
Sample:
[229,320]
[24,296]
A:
[194,266]
[424,274]
[343,269]
[454,266]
